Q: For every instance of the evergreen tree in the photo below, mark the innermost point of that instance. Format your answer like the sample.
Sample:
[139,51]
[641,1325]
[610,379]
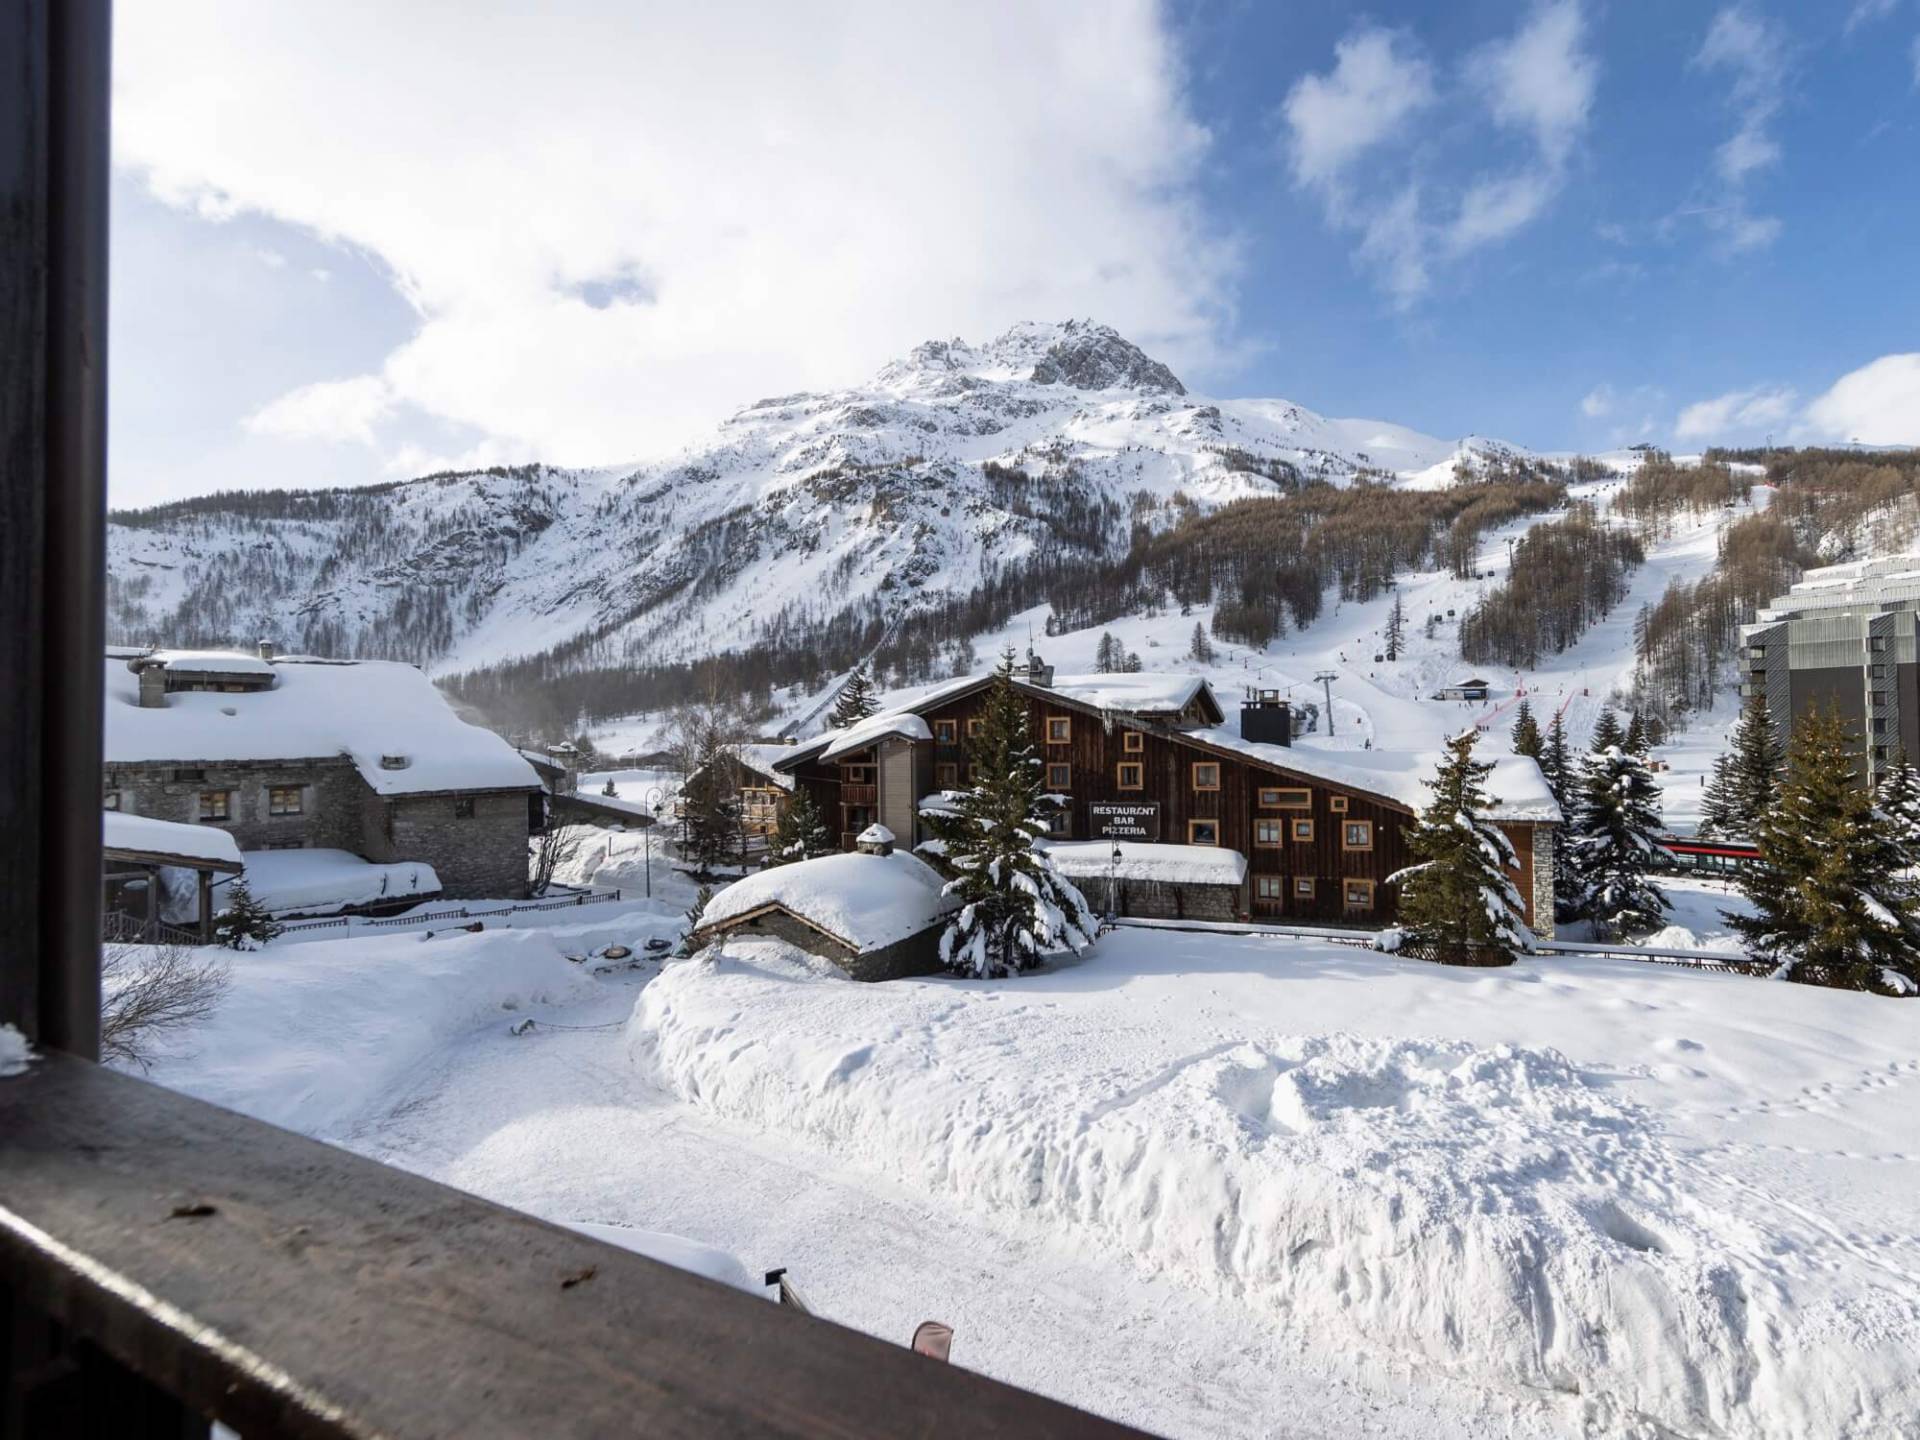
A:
[1898,801]
[1556,764]
[1607,733]
[1636,740]
[607,789]
[1458,898]
[1746,779]
[1615,840]
[1132,666]
[1201,646]
[856,700]
[1526,732]
[710,805]
[800,833]
[1831,904]
[1014,904]
[702,898]
[245,924]
[1396,628]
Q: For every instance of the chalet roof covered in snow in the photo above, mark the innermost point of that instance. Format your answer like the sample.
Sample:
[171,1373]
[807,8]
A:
[864,901]
[1135,694]
[1516,788]
[209,662]
[325,882]
[201,846]
[860,735]
[1170,864]
[387,718]
[760,759]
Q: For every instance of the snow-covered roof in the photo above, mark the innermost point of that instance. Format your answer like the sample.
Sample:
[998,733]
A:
[860,735]
[866,901]
[148,836]
[327,881]
[1516,788]
[368,711]
[761,758]
[209,662]
[1175,864]
[1138,693]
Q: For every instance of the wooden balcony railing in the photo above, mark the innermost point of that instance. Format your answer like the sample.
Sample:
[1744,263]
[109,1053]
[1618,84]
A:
[859,794]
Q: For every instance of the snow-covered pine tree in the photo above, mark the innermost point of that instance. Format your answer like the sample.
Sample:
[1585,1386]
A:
[1746,779]
[800,833]
[1898,800]
[1396,628]
[856,700]
[1526,731]
[1635,741]
[245,924]
[1615,840]
[1200,647]
[1457,899]
[1832,906]
[1014,905]
[710,805]
[1555,763]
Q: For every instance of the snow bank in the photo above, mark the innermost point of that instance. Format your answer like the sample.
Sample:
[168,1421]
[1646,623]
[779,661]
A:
[1485,1208]
[677,1251]
[866,900]
[1183,864]
[15,1053]
[321,882]
[311,1036]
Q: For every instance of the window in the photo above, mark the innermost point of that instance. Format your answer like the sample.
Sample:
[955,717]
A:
[856,774]
[286,800]
[1337,804]
[1358,894]
[1269,887]
[946,732]
[190,777]
[1060,822]
[286,845]
[1303,887]
[1059,777]
[1285,798]
[215,805]
[1132,742]
[947,777]
[1266,832]
[1203,832]
[1357,835]
[973,774]
[1303,832]
[110,800]
[1206,775]
[976,727]
[1133,775]
[463,807]
[1878,672]
[1059,729]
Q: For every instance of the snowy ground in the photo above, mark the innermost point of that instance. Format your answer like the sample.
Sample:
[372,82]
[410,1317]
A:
[1215,1185]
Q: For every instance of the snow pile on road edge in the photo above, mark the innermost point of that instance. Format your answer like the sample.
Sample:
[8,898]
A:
[1486,1209]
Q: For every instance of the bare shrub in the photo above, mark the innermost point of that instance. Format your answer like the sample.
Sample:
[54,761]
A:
[552,847]
[151,991]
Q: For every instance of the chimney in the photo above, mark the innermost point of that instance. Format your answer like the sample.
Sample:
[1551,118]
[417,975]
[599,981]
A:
[876,839]
[266,650]
[1034,671]
[1266,718]
[153,684]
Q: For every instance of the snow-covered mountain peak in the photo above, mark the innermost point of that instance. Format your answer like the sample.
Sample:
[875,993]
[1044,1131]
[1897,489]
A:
[1075,354]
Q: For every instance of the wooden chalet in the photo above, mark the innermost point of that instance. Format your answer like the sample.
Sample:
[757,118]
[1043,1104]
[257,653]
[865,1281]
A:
[1151,762]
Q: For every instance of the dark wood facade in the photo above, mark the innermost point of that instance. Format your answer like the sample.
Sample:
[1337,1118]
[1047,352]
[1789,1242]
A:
[1316,852]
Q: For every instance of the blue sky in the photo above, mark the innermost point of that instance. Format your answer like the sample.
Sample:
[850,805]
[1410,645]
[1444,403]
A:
[355,244]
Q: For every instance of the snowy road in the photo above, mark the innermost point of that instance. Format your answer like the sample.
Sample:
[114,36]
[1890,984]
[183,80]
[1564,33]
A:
[557,1123]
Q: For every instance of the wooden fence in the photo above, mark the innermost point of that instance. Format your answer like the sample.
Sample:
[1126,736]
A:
[421,922]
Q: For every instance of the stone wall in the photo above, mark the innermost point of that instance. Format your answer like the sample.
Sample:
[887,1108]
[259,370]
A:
[916,955]
[478,857]
[1543,861]
[331,792]
[1165,900]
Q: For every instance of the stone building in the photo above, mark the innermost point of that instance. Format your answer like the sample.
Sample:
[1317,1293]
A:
[1149,764]
[363,758]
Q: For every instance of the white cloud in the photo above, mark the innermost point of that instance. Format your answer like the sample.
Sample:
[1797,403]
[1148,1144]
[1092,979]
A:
[1378,82]
[1878,404]
[1542,80]
[1539,81]
[1736,413]
[1864,12]
[1753,53]
[327,410]
[806,194]
[1599,402]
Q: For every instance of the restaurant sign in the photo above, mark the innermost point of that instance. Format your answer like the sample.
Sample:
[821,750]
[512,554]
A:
[1125,820]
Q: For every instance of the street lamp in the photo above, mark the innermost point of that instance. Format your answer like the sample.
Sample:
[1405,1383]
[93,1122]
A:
[654,796]
[1113,883]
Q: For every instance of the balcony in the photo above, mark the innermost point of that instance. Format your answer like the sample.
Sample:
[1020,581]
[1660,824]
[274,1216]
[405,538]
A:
[859,794]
